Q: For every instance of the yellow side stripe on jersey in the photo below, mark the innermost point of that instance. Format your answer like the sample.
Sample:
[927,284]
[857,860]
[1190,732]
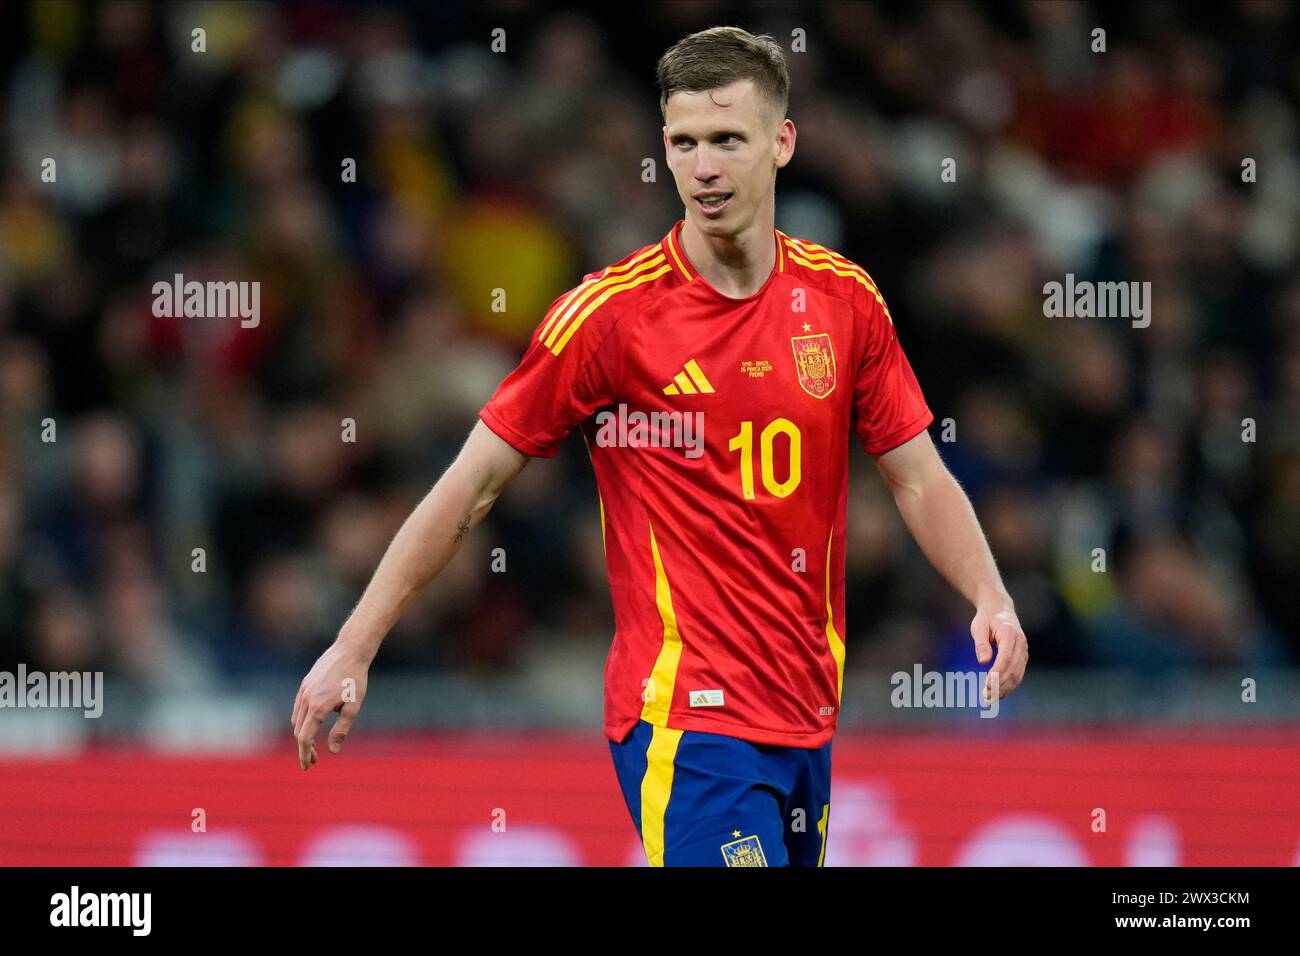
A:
[658,694]
[657,784]
[847,273]
[597,302]
[656,788]
[833,638]
[599,499]
[601,502]
[573,297]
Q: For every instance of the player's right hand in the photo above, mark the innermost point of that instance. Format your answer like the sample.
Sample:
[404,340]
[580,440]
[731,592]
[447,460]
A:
[336,683]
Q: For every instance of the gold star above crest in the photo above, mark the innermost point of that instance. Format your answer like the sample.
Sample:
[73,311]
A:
[735,833]
[807,327]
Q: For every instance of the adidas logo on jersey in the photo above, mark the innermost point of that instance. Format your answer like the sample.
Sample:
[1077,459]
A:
[706,698]
[690,381]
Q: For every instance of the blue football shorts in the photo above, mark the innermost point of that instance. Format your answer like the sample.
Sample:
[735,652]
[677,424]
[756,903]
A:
[701,799]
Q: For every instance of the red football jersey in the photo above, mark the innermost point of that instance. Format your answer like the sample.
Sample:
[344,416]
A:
[719,432]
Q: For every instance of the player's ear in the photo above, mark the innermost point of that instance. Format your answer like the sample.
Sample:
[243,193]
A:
[785,143]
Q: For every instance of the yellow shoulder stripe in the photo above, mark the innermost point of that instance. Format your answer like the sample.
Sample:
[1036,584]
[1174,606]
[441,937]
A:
[641,274]
[814,256]
[570,302]
[811,250]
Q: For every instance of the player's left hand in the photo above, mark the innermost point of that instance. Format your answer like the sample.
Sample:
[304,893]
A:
[1001,627]
[335,684]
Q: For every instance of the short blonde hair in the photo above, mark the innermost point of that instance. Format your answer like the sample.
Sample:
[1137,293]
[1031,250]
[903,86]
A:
[721,56]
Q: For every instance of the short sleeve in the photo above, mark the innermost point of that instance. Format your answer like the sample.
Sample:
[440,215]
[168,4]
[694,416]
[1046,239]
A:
[888,406]
[571,368]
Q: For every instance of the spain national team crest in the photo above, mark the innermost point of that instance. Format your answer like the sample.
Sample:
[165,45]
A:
[814,359]
[746,851]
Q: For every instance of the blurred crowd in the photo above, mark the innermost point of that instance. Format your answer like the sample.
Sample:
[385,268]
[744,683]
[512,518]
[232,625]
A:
[180,503]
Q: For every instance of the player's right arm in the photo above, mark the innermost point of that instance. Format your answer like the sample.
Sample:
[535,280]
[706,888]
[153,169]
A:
[427,540]
[571,368]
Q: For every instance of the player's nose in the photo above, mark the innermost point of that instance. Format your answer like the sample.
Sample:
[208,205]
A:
[706,166]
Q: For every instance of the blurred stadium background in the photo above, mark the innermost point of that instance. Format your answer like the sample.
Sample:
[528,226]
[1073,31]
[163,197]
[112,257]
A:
[522,170]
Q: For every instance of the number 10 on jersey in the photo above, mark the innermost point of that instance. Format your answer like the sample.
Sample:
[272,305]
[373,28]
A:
[744,443]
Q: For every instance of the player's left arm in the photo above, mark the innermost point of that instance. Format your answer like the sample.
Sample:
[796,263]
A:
[941,519]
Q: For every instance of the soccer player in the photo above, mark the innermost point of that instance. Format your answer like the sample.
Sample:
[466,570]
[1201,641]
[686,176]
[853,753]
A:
[717,377]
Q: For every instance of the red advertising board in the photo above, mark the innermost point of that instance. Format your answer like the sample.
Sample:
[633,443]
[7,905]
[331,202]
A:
[1100,799]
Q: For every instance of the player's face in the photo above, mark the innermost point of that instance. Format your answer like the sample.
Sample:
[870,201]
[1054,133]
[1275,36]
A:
[724,147]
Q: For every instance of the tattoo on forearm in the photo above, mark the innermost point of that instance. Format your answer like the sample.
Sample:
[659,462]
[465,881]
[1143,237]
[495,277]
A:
[462,529]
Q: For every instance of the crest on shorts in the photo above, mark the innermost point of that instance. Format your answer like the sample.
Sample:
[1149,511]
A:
[814,360]
[746,851]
